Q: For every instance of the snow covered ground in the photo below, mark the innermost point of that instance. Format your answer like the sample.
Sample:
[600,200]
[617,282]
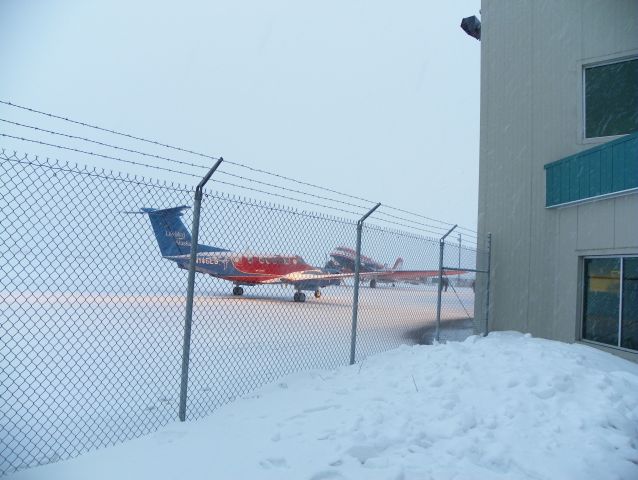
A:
[83,371]
[507,406]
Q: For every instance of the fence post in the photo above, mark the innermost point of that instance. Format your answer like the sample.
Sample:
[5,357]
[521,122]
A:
[438,299]
[458,275]
[487,288]
[188,320]
[355,300]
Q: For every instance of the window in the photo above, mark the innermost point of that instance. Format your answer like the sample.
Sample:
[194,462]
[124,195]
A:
[629,324]
[610,309]
[611,99]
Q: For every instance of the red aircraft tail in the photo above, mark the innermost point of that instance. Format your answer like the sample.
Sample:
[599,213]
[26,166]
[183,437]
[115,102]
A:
[398,264]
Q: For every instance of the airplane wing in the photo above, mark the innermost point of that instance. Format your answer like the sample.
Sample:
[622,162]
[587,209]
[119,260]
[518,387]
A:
[310,275]
[325,278]
[409,275]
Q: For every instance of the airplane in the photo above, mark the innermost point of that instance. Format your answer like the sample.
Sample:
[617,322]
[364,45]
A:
[343,258]
[246,269]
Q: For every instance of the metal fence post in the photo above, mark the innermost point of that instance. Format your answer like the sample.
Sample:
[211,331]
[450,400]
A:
[487,288]
[438,299]
[188,320]
[355,300]
[458,275]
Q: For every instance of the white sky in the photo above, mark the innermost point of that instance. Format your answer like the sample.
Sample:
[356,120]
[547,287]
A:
[377,99]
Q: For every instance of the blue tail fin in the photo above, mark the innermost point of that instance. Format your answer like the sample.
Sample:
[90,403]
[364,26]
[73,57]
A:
[172,235]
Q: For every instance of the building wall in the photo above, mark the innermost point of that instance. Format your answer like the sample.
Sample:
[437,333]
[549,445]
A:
[532,54]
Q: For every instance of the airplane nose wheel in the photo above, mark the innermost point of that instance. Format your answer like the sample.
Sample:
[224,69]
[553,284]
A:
[373,283]
[299,297]
[238,291]
[317,293]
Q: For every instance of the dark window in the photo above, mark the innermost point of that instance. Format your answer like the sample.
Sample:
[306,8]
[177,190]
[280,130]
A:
[611,99]
[610,313]
[602,297]
[629,336]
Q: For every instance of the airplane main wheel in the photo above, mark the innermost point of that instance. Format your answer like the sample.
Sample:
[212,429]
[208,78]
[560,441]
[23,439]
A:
[299,297]
[238,291]
[373,283]
[317,293]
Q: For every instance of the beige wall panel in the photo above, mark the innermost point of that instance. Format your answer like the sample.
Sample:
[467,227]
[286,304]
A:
[563,320]
[552,137]
[626,224]
[500,121]
[595,225]
[625,21]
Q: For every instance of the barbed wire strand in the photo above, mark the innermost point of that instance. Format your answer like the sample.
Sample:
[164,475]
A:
[100,172]
[75,137]
[84,139]
[85,152]
[342,202]
[115,132]
[428,218]
[132,162]
[216,181]
[265,172]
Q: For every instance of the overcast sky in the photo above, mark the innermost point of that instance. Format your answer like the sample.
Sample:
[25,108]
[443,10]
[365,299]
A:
[377,99]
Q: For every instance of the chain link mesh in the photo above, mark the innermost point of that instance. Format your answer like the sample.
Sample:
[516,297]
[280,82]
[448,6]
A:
[92,316]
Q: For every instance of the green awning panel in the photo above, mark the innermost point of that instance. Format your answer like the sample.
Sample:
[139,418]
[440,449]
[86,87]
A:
[602,170]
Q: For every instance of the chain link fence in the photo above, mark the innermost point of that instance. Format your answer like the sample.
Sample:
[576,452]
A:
[92,305]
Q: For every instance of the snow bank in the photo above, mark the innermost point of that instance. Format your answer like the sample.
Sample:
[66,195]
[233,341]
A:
[503,407]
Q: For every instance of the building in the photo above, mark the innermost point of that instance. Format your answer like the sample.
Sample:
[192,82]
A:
[558,178]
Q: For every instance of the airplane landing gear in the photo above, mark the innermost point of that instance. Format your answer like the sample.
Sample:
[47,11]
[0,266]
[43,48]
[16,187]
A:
[373,283]
[299,297]
[238,291]
[317,293]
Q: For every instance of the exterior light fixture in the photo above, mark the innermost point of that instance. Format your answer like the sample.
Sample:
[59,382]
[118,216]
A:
[472,26]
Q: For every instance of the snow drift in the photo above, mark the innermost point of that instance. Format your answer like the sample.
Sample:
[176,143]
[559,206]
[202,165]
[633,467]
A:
[507,406]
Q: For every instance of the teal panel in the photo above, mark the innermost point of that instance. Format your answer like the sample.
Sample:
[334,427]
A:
[573,181]
[618,170]
[564,184]
[604,169]
[631,167]
[582,177]
[556,182]
[550,185]
[594,174]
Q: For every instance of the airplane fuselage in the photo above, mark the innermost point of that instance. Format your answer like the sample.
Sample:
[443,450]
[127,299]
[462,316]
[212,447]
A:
[252,269]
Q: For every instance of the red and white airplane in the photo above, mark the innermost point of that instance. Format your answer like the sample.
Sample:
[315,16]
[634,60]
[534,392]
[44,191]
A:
[343,259]
[174,241]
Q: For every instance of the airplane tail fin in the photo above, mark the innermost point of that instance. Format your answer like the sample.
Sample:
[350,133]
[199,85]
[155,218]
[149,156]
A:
[170,232]
[398,264]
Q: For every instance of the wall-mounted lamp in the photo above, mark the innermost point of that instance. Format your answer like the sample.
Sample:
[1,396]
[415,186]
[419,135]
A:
[472,26]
